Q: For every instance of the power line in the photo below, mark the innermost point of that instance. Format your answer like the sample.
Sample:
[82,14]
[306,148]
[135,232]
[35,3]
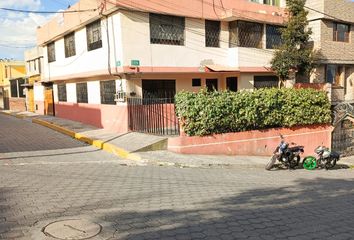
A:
[22,47]
[47,12]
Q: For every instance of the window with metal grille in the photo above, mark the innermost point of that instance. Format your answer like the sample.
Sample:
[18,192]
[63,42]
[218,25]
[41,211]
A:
[273,36]
[108,91]
[341,32]
[165,29]
[69,42]
[62,92]
[211,84]
[212,33]
[265,81]
[233,34]
[13,87]
[51,52]
[93,34]
[81,93]
[249,34]
[268,2]
[158,88]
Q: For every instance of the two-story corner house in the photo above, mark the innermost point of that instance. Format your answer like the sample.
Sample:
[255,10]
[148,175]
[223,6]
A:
[155,48]
[34,89]
[332,23]
[12,77]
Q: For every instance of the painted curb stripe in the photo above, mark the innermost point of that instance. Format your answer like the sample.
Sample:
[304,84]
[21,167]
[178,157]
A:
[107,147]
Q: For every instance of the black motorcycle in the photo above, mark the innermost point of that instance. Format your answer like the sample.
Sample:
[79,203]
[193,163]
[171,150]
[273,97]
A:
[287,156]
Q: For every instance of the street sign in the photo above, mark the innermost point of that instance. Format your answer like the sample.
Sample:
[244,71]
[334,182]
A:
[135,63]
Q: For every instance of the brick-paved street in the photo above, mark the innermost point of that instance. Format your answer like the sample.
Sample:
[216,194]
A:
[163,202]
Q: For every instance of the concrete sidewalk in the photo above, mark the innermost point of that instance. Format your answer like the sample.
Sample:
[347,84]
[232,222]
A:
[143,149]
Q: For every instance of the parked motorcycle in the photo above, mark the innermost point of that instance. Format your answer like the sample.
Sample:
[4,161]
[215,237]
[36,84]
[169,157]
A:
[325,159]
[287,156]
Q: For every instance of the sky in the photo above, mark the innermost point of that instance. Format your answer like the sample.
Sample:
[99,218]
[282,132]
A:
[18,30]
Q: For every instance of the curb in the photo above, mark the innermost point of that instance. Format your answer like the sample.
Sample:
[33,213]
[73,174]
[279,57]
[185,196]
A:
[14,115]
[107,147]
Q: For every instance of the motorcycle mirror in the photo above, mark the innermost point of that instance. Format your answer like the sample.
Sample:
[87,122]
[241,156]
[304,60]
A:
[292,143]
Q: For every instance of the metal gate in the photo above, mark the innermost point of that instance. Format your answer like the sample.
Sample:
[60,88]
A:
[152,115]
[343,133]
[343,138]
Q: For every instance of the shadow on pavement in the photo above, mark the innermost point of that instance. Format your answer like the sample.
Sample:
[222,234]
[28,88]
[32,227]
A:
[311,209]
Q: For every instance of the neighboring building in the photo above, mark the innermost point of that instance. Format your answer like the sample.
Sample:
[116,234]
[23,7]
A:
[36,92]
[332,23]
[144,48]
[12,76]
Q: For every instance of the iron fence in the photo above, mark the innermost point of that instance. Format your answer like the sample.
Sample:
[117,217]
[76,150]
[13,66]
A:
[153,116]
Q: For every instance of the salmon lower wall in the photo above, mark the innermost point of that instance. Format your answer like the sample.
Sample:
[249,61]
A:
[18,104]
[39,107]
[110,117]
[253,143]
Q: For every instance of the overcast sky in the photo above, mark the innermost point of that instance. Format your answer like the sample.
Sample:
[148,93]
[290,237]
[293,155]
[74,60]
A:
[18,30]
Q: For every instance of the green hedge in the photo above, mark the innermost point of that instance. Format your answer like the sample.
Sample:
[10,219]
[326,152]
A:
[206,113]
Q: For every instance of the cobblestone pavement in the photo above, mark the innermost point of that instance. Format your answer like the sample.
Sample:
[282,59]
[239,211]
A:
[153,202]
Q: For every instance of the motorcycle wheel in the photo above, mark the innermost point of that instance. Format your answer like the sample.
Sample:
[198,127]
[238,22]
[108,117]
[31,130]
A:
[309,163]
[271,162]
[330,164]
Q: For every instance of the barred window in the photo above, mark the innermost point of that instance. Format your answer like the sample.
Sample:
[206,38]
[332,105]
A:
[62,92]
[93,34]
[212,33]
[268,2]
[233,34]
[13,86]
[341,32]
[108,90]
[273,36]
[265,81]
[69,42]
[81,92]
[21,88]
[249,34]
[51,52]
[165,29]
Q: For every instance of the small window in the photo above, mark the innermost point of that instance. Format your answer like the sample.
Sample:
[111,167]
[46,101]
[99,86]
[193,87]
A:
[265,81]
[273,36]
[81,93]
[196,82]
[51,52]
[341,32]
[212,33]
[231,84]
[69,42]
[108,91]
[335,75]
[62,92]
[166,29]
[13,86]
[93,34]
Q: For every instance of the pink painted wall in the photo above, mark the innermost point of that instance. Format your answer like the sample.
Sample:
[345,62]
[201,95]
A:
[110,117]
[40,107]
[253,143]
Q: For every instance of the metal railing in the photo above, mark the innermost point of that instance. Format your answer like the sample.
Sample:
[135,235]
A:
[153,116]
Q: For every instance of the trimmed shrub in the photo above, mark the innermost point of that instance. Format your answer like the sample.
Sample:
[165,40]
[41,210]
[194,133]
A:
[206,113]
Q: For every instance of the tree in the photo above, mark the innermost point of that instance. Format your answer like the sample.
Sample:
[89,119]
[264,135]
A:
[294,55]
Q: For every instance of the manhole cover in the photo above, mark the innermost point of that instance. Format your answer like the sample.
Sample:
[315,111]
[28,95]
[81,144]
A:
[75,229]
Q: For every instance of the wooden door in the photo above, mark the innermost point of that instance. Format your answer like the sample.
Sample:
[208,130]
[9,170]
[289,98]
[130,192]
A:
[48,102]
